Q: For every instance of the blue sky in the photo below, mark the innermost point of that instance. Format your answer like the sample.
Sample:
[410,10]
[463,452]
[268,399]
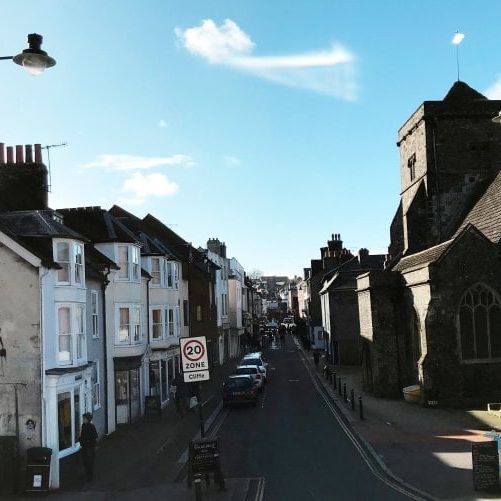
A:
[268,124]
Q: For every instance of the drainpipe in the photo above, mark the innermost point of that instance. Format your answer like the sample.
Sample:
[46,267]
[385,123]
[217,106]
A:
[105,350]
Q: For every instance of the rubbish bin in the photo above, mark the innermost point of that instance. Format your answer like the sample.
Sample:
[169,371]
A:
[38,469]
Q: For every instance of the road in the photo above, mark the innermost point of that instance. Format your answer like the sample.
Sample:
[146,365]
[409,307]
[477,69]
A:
[293,440]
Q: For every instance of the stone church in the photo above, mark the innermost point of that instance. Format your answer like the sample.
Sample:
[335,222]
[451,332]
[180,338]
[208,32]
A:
[433,316]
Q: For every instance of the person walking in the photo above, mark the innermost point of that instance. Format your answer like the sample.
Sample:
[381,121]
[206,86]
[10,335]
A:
[88,437]
[177,390]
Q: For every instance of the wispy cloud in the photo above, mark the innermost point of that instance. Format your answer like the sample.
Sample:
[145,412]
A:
[134,162]
[142,186]
[162,124]
[330,71]
[231,161]
[494,91]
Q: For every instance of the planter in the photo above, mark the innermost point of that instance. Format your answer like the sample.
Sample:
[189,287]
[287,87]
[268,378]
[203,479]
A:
[412,394]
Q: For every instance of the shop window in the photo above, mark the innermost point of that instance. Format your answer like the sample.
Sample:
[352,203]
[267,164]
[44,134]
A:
[68,419]
[480,324]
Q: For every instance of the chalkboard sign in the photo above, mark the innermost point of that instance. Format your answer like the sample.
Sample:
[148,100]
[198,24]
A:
[152,407]
[204,455]
[485,458]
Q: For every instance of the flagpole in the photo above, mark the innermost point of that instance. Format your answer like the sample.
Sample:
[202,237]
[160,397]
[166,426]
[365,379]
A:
[457,58]
[456,40]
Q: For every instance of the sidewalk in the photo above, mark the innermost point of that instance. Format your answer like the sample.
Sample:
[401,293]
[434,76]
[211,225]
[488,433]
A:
[428,448]
[144,459]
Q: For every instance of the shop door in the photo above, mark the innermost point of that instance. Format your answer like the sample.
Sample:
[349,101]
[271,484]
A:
[135,403]
[122,396]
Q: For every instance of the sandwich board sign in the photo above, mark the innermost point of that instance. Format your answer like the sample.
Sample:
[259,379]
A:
[194,359]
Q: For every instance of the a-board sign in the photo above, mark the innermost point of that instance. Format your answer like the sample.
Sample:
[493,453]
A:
[194,359]
[204,456]
[485,459]
[152,407]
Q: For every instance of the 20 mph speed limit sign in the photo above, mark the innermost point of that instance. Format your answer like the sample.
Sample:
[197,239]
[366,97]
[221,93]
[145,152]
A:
[194,359]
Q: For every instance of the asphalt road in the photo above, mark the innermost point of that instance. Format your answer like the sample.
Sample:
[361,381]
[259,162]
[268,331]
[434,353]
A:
[293,440]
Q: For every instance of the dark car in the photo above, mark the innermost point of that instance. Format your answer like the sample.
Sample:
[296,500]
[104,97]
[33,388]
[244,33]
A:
[239,389]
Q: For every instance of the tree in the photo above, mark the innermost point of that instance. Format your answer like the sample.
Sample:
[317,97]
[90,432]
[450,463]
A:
[255,274]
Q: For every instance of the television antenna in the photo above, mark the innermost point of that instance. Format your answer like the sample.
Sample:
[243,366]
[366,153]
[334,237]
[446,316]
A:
[48,148]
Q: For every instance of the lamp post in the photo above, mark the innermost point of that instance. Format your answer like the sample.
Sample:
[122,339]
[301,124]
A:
[33,59]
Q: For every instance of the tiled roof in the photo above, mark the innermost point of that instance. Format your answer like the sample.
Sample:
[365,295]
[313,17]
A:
[97,224]
[486,213]
[424,257]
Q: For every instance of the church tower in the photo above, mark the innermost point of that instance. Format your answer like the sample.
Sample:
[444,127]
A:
[448,150]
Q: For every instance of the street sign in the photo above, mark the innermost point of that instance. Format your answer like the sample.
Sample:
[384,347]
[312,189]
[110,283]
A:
[194,359]
[485,459]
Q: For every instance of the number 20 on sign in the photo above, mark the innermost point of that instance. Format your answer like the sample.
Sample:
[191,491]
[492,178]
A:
[194,357]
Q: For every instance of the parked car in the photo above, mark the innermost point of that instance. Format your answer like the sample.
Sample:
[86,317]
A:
[256,359]
[240,389]
[288,322]
[251,370]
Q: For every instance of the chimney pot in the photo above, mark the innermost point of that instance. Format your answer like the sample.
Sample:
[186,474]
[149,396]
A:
[28,153]
[19,154]
[10,154]
[38,153]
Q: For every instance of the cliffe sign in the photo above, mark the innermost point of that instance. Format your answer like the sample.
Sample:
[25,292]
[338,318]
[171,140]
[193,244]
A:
[194,359]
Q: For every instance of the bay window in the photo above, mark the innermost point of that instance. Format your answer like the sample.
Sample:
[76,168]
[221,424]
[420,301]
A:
[95,318]
[155,271]
[128,325]
[71,347]
[128,259]
[165,322]
[156,323]
[70,257]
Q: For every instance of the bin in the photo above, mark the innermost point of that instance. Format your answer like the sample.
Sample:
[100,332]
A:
[38,469]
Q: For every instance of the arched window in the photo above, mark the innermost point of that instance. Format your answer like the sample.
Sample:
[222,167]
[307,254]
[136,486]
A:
[480,324]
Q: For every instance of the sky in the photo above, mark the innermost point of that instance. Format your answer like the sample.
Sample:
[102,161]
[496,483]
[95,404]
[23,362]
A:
[268,124]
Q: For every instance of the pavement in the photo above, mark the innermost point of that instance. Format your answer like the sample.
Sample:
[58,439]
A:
[146,460]
[425,447]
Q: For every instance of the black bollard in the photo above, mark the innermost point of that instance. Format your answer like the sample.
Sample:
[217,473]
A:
[352,398]
[334,382]
[360,407]
[345,397]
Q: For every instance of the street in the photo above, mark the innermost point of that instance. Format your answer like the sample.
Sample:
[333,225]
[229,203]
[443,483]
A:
[293,440]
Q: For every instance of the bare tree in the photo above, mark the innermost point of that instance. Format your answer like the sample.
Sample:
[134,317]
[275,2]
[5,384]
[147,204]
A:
[255,274]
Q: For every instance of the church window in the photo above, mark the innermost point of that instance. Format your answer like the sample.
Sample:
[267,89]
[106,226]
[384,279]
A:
[411,164]
[480,324]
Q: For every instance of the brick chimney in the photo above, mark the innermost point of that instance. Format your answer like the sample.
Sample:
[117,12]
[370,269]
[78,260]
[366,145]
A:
[23,178]
[363,254]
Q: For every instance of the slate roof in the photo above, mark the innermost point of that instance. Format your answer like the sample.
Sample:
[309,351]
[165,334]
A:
[486,213]
[97,224]
[424,257]
[461,92]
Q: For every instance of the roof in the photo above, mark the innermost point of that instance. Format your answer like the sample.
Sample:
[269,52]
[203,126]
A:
[37,223]
[462,92]
[97,224]
[485,215]
[424,257]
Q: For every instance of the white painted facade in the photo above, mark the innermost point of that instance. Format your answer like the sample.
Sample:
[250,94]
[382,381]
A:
[235,288]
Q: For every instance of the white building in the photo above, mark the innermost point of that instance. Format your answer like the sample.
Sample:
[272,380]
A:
[235,289]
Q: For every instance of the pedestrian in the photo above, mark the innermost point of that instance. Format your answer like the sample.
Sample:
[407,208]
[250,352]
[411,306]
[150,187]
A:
[177,390]
[88,437]
[316,358]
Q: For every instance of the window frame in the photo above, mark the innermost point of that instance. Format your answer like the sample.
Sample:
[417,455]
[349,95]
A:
[94,310]
[75,249]
[169,329]
[77,338]
[495,303]
[132,327]
[96,384]
[132,266]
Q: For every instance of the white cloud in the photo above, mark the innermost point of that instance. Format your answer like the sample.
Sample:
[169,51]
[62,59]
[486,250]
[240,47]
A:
[328,71]
[134,162]
[145,185]
[494,91]
[162,124]
[231,161]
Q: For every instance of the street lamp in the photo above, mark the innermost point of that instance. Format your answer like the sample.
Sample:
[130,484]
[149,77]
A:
[33,59]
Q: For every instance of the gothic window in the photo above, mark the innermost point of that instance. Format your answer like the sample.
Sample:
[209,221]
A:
[480,324]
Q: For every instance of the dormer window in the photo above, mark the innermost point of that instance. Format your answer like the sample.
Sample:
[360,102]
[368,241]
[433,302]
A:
[70,257]
[128,260]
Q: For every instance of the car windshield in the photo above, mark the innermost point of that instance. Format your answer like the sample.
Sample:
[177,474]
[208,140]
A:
[237,383]
[253,361]
[246,370]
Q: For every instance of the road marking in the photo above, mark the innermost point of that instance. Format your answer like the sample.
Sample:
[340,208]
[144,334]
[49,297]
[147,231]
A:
[356,443]
[260,490]
[263,398]
[293,380]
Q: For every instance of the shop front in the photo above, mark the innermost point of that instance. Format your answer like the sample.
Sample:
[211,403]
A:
[162,371]
[127,389]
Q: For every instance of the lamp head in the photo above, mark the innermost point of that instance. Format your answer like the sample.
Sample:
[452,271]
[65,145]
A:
[34,59]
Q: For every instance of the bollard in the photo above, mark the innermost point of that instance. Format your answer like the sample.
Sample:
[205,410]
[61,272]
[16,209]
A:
[360,407]
[334,382]
[352,398]
[339,387]
[345,397]
[198,489]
